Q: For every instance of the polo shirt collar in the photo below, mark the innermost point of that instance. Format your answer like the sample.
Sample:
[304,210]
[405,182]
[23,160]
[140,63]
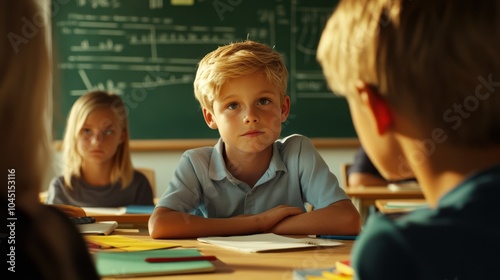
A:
[217,169]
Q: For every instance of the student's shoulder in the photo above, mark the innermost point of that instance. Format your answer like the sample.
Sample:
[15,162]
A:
[294,140]
[139,175]
[295,144]
[77,261]
[381,250]
[201,152]
[381,233]
[204,153]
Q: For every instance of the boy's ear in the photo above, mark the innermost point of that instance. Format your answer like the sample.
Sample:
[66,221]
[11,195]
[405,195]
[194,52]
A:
[378,106]
[209,119]
[285,108]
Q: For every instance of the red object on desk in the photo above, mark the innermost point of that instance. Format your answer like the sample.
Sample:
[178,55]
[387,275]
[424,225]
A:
[182,259]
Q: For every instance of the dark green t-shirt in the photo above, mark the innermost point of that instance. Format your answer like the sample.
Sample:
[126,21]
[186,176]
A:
[458,240]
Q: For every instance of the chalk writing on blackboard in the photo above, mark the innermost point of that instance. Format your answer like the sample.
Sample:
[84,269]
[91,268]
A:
[147,51]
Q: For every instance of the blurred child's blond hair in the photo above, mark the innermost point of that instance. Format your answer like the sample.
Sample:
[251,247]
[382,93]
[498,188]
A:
[234,61]
[25,99]
[435,61]
[122,169]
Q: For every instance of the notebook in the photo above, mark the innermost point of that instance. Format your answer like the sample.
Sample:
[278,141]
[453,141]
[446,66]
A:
[266,242]
[139,209]
[132,264]
[130,209]
[99,228]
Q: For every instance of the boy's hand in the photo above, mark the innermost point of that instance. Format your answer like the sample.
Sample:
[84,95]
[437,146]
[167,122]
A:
[70,211]
[266,220]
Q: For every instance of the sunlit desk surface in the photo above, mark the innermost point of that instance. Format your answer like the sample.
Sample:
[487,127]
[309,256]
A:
[363,197]
[232,264]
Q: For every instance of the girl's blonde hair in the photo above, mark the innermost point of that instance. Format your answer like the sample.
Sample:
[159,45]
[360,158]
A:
[436,61]
[122,169]
[25,97]
[234,61]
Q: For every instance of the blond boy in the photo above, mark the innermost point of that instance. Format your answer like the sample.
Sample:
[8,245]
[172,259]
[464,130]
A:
[250,182]
[421,79]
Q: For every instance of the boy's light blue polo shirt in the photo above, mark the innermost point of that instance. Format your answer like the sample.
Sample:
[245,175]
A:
[296,174]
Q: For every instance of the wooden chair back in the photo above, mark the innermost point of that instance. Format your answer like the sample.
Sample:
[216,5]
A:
[344,176]
[150,175]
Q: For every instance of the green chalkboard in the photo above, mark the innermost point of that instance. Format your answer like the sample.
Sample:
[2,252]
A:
[147,51]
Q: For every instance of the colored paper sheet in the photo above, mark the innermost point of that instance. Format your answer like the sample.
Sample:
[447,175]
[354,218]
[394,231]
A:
[127,244]
[121,264]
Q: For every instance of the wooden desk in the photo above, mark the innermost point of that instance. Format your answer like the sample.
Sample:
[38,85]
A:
[363,197]
[382,203]
[238,265]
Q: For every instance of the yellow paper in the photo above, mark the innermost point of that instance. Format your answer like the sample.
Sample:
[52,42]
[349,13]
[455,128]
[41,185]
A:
[344,269]
[334,276]
[329,276]
[128,244]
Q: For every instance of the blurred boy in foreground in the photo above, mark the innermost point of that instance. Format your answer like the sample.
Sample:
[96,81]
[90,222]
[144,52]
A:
[421,80]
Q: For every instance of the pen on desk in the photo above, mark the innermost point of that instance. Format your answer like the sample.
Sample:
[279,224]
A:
[339,237]
[182,259]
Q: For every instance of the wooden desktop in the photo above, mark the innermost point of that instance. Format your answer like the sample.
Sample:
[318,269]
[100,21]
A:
[232,264]
[364,197]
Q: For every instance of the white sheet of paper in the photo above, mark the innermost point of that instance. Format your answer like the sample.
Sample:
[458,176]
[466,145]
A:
[265,242]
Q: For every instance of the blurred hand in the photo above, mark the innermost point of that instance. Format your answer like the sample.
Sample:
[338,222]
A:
[71,211]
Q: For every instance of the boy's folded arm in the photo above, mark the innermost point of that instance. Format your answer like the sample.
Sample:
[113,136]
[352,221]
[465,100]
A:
[168,223]
[339,218]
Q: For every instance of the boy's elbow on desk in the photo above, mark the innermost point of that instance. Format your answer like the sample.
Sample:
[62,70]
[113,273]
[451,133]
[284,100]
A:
[156,226]
[353,225]
[348,218]
[167,223]
[152,228]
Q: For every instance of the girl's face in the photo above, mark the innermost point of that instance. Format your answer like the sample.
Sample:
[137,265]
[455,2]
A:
[100,136]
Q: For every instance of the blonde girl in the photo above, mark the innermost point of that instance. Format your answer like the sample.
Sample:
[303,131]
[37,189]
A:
[98,170]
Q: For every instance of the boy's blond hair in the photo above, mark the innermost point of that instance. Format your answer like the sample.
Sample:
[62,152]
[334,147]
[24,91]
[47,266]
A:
[25,98]
[436,61]
[234,61]
[122,169]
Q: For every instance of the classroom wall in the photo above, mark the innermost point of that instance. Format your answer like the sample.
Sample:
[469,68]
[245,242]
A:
[165,162]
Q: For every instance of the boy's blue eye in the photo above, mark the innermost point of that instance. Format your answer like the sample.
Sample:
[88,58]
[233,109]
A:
[232,106]
[264,101]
